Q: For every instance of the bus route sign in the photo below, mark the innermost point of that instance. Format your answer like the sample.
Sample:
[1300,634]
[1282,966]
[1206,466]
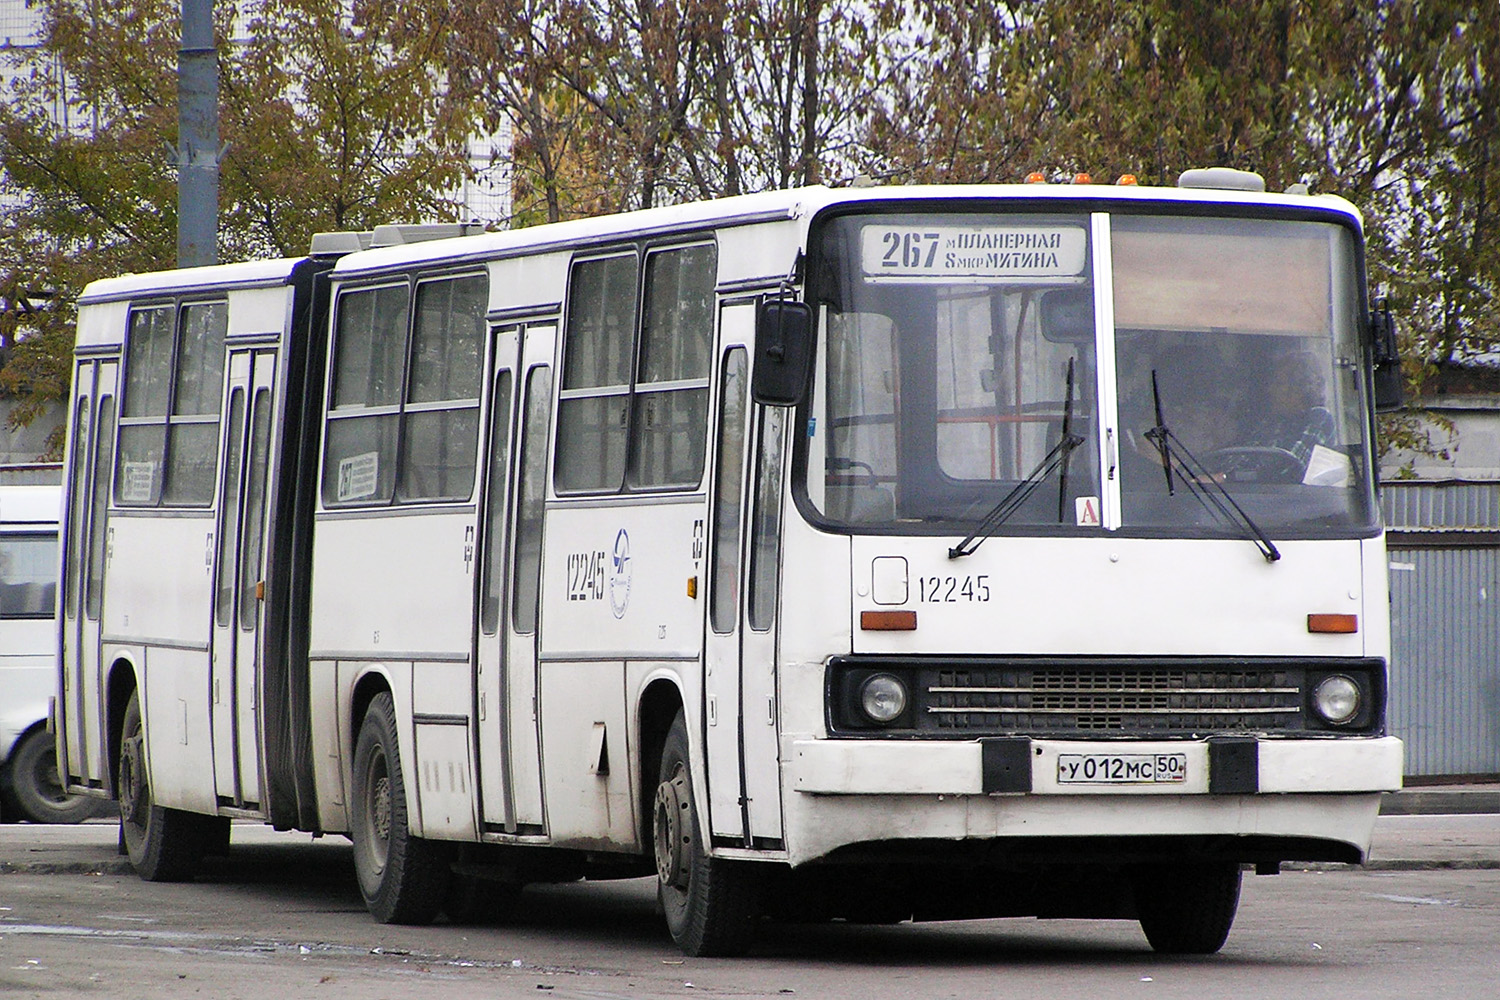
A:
[894,252]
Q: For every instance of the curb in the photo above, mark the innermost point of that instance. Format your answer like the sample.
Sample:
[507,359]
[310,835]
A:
[1436,802]
[1398,865]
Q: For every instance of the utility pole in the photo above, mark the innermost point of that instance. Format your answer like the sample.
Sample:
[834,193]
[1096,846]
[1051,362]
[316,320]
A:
[198,138]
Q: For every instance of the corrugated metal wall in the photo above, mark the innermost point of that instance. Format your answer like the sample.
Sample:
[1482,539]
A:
[1424,506]
[1445,625]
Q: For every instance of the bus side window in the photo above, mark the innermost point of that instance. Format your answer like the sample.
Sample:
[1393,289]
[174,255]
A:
[104,444]
[148,366]
[440,432]
[669,410]
[532,490]
[369,355]
[229,526]
[198,390]
[729,478]
[253,525]
[169,433]
[494,510]
[597,347]
[78,477]
[765,520]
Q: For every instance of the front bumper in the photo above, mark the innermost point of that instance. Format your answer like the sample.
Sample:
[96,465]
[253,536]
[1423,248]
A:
[916,767]
[1313,799]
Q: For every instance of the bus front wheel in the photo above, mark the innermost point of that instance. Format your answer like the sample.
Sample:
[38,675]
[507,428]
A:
[403,878]
[164,845]
[1187,909]
[710,903]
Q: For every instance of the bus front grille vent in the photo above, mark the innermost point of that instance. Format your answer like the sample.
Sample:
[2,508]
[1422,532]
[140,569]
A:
[1108,700]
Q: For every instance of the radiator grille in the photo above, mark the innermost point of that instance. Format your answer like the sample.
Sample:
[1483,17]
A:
[1072,699]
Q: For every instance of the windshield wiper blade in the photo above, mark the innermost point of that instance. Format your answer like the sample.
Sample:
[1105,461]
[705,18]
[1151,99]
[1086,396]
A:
[1159,435]
[1067,433]
[1201,483]
[1055,459]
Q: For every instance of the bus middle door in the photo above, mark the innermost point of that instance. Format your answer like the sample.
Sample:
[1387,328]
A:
[239,584]
[510,571]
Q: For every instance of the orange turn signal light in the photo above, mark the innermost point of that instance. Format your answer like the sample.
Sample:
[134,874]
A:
[1337,624]
[888,621]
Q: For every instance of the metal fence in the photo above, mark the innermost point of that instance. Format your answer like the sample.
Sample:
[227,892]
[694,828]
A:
[1444,557]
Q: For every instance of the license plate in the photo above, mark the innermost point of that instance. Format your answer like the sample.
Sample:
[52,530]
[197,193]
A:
[1121,768]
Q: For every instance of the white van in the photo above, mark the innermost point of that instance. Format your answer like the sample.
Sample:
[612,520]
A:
[29,785]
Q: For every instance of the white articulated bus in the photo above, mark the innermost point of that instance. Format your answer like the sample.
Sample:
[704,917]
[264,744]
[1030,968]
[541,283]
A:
[873,553]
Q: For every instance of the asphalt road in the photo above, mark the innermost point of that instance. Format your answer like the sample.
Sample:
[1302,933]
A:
[282,919]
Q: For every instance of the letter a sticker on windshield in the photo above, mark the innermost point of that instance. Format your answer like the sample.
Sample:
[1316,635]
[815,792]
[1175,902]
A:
[1087,509]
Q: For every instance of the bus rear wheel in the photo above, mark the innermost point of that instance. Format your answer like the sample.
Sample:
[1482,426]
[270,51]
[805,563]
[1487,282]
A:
[1187,909]
[164,845]
[403,878]
[710,903]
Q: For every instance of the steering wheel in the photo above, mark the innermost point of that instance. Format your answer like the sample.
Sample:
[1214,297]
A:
[1256,464]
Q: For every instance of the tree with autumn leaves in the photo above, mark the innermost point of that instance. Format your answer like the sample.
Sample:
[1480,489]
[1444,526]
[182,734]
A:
[343,114]
[330,119]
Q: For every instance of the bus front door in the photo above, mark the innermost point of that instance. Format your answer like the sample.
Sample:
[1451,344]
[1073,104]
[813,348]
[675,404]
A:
[239,579]
[740,713]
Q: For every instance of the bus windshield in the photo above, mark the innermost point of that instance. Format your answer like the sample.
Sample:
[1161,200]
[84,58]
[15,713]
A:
[1244,334]
[942,387]
[956,353]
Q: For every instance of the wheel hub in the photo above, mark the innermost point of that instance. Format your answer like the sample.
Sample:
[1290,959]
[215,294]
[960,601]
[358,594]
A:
[132,780]
[672,822]
[380,818]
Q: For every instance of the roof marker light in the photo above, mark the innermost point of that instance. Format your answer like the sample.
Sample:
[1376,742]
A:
[1036,177]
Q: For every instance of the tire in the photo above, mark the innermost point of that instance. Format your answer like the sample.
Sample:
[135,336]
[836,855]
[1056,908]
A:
[404,879]
[164,845]
[1187,909]
[36,792]
[710,903]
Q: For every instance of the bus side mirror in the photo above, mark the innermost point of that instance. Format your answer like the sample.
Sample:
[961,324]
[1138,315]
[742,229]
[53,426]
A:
[1386,386]
[783,352]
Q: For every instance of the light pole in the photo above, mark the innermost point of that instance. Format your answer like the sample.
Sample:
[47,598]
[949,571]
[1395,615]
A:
[197,138]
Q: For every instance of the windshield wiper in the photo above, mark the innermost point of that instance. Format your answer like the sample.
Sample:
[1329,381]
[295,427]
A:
[1200,482]
[1054,460]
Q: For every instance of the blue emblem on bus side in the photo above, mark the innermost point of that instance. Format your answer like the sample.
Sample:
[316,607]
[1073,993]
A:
[619,575]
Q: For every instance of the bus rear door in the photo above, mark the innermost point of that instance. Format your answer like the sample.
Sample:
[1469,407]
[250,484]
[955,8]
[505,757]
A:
[89,475]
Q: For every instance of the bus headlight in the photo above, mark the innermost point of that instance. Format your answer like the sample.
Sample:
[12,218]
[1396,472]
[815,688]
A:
[883,697]
[1336,699]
